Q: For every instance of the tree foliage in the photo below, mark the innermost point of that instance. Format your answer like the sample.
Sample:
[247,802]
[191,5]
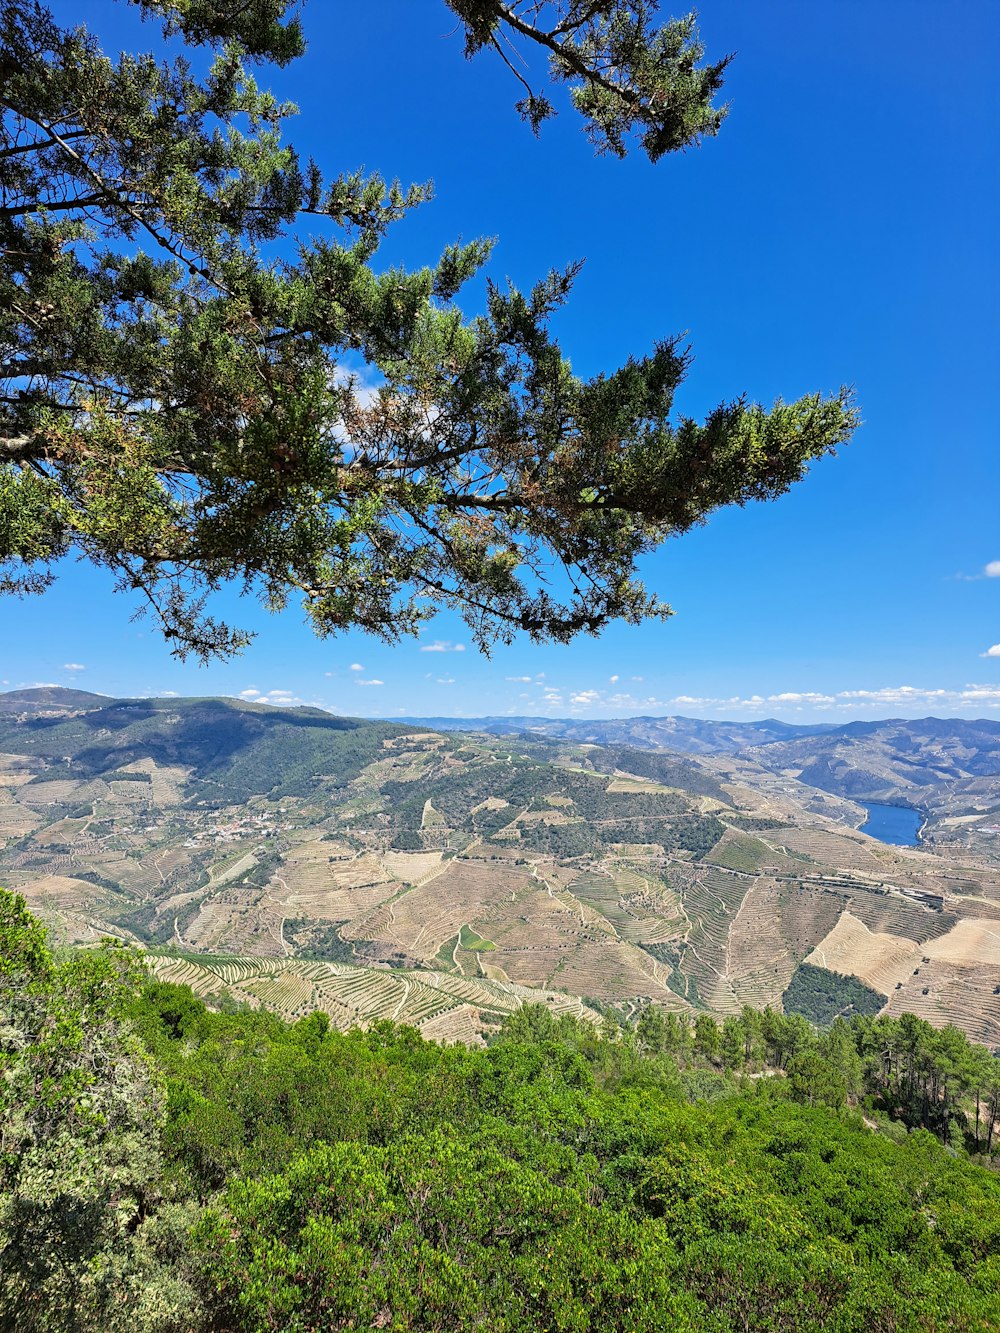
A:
[821,995]
[80,1113]
[175,403]
[629,76]
[295,1177]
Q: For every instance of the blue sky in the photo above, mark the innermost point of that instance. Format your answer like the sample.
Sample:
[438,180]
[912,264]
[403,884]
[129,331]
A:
[841,228]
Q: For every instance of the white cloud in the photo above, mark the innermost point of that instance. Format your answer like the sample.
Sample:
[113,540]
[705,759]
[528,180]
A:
[442,646]
[909,697]
[895,700]
[445,680]
[278,698]
[74,666]
[638,679]
[612,680]
[992,652]
[356,666]
[903,700]
[797,697]
[169,694]
[991,570]
[369,682]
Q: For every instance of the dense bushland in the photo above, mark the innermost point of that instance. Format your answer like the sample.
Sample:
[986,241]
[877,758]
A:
[166,1167]
[821,995]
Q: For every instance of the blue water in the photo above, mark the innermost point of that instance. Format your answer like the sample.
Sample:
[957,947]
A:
[897,824]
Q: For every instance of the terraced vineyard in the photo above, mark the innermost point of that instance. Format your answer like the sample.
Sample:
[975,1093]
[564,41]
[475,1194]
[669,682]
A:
[434,1002]
[711,902]
[371,868]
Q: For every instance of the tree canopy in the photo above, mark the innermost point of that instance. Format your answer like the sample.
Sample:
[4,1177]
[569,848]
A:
[167,1168]
[175,404]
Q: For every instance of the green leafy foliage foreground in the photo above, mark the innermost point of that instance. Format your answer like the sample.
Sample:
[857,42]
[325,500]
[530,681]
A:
[166,1167]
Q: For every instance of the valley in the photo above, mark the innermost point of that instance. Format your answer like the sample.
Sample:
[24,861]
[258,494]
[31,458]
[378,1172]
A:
[292,859]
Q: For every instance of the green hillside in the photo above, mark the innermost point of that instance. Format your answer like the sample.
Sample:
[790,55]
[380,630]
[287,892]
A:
[170,1168]
[239,749]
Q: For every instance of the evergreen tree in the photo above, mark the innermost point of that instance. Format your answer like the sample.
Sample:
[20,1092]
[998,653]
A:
[298,1177]
[173,405]
[80,1114]
[651,1029]
[732,1044]
[837,1046]
[707,1038]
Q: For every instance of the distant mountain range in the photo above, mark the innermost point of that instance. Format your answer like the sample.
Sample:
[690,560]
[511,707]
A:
[948,768]
[943,766]
[690,735]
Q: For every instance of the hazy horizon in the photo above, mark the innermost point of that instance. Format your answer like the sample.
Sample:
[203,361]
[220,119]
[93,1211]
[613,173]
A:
[276,699]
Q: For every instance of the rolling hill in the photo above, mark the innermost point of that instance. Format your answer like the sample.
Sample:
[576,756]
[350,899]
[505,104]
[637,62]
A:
[326,857]
[690,735]
[948,768]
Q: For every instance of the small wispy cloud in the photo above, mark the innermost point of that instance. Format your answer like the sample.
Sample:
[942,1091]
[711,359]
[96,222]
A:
[356,666]
[613,680]
[369,682]
[74,666]
[992,652]
[442,646]
[991,570]
[895,700]
[445,680]
[583,698]
[277,698]
[520,680]
[850,701]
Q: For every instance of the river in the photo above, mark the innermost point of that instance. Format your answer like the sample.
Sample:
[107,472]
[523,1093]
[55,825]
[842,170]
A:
[897,824]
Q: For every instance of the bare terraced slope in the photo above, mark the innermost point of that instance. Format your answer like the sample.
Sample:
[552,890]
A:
[377,870]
